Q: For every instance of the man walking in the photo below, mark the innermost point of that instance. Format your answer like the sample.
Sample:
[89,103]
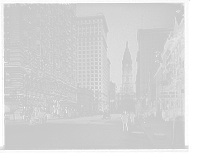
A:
[124,119]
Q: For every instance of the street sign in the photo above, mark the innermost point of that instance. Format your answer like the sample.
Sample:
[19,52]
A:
[164,83]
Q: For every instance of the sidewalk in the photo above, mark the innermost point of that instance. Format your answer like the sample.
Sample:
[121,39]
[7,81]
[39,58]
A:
[49,118]
[156,127]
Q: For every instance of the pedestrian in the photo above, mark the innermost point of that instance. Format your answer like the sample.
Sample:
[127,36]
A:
[132,118]
[125,119]
[167,113]
[154,110]
[163,114]
[143,117]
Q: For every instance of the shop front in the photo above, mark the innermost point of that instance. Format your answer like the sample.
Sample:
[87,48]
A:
[50,103]
[68,109]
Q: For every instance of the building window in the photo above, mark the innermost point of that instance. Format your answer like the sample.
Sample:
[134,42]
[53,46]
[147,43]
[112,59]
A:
[7,37]
[6,55]
[7,77]
[24,80]
[34,83]
[25,23]
[29,82]
[25,39]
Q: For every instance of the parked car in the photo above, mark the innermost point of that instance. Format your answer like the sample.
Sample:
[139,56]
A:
[39,115]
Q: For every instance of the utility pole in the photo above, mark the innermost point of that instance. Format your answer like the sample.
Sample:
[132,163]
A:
[118,102]
[109,100]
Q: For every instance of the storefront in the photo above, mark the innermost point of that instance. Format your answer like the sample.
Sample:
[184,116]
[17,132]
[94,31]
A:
[50,103]
[67,107]
[31,103]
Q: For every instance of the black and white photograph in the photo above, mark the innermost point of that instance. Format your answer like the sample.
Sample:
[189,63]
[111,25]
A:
[94,76]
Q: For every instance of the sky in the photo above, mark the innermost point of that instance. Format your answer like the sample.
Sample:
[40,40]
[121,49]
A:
[123,21]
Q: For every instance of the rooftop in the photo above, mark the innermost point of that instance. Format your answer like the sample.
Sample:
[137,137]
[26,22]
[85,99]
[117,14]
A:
[99,16]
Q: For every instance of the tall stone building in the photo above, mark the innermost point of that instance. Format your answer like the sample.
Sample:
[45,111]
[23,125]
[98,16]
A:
[127,76]
[85,102]
[40,56]
[127,94]
[92,61]
[150,41]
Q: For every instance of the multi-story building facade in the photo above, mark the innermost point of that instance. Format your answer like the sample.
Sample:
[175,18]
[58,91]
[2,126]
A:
[40,55]
[112,97]
[85,100]
[151,91]
[127,95]
[170,76]
[127,74]
[150,41]
[92,61]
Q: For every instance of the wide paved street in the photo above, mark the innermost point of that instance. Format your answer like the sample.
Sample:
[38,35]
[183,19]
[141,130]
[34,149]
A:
[81,133]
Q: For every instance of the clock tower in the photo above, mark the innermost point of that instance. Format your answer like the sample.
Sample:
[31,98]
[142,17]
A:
[127,74]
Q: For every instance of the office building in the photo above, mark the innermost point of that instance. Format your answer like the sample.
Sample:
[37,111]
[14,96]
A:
[39,56]
[85,101]
[92,61]
[170,77]
[112,97]
[150,41]
[126,97]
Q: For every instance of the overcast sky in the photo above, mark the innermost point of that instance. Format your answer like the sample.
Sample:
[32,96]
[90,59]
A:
[123,21]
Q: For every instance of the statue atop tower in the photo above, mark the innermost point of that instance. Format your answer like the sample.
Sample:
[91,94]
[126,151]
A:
[127,95]
[127,72]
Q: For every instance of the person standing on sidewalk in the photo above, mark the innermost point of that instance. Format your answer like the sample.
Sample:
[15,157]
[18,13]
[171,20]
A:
[132,118]
[167,113]
[125,118]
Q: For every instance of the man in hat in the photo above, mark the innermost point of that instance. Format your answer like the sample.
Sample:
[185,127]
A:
[124,119]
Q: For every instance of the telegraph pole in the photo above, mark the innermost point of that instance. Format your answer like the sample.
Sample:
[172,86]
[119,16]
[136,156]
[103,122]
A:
[118,102]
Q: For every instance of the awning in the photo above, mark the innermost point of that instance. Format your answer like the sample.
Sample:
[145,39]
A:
[68,103]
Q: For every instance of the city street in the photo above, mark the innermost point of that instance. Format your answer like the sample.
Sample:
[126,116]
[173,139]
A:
[81,133]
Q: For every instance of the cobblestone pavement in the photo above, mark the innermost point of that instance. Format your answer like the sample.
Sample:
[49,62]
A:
[82,133]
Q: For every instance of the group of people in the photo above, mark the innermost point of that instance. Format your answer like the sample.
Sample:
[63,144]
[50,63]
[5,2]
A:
[33,110]
[106,114]
[128,120]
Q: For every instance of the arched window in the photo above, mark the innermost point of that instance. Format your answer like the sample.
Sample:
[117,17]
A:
[7,77]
